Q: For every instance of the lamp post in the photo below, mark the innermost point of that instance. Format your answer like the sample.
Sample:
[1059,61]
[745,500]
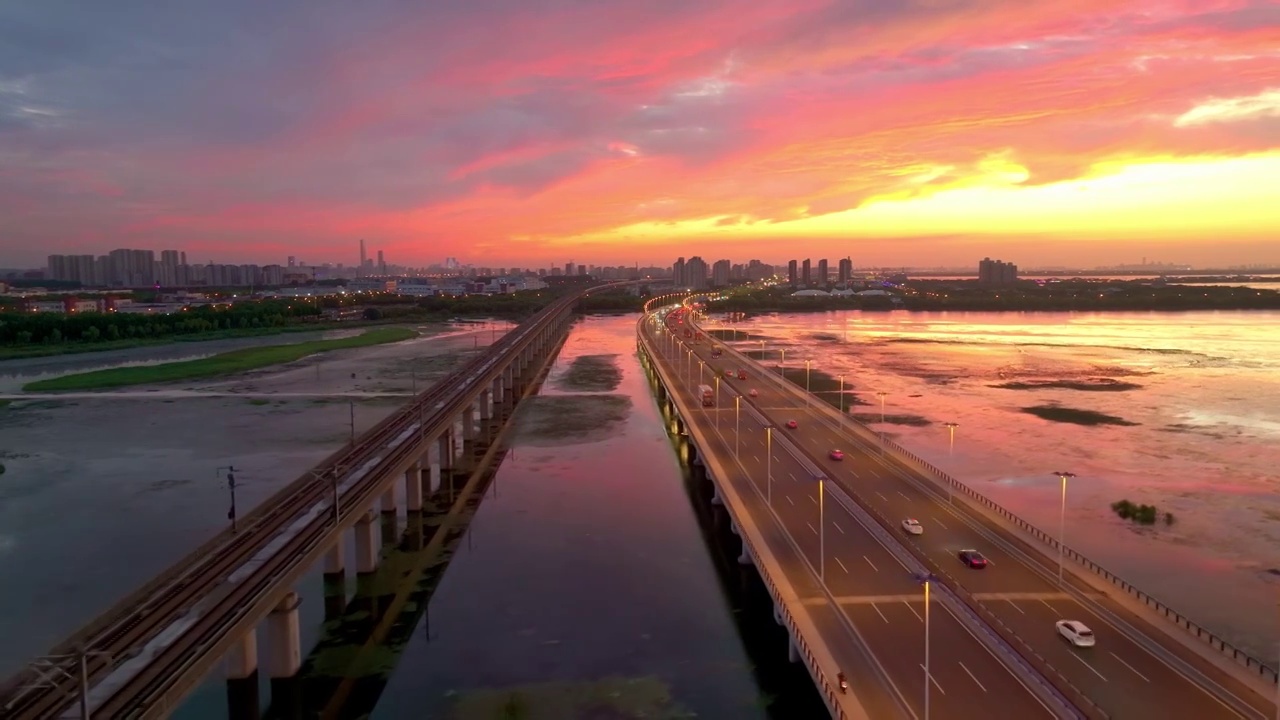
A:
[701,364]
[717,403]
[822,531]
[1062,519]
[925,579]
[881,395]
[737,422]
[951,451]
[782,362]
[231,485]
[806,383]
[768,463]
[842,395]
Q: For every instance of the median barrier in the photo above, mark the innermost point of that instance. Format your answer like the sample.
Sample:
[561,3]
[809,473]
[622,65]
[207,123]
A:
[907,458]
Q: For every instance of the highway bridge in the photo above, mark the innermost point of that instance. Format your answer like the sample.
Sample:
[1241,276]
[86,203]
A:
[837,541]
[143,656]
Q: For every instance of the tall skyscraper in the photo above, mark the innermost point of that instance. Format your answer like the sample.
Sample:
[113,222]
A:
[382,264]
[823,273]
[806,274]
[696,269]
[720,273]
[793,273]
[679,274]
[846,270]
[363,257]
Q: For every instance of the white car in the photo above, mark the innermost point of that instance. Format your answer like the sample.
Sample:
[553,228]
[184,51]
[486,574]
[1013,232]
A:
[1076,633]
[913,526]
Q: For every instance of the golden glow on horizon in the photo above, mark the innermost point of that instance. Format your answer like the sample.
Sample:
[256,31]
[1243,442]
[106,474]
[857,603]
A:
[1175,198]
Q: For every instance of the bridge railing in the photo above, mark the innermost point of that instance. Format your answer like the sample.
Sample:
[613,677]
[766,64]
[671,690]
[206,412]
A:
[830,692]
[904,456]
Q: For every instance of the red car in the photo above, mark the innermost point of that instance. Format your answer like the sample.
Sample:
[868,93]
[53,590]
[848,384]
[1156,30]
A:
[973,559]
[792,424]
[837,455]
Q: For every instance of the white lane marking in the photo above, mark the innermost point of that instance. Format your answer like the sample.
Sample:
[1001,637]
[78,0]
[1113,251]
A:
[833,522]
[1082,662]
[791,475]
[811,527]
[873,472]
[1042,602]
[882,497]
[1122,662]
[934,678]
[1015,607]
[842,567]
[904,495]
[793,502]
[913,610]
[814,499]
[939,523]
[756,458]
[882,617]
[855,473]
[873,565]
[971,676]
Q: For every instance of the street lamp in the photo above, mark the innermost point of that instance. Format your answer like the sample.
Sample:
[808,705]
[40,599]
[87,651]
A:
[842,395]
[700,365]
[737,422]
[231,485]
[806,383]
[717,403]
[768,462]
[882,396]
[782,362]
[925,579]
[951,450]
[1062,519]
[822,531]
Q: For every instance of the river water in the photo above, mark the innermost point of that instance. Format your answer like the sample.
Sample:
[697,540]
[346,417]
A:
[1194,429]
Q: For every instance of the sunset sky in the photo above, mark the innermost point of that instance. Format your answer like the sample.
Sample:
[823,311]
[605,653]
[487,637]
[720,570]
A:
[530,132]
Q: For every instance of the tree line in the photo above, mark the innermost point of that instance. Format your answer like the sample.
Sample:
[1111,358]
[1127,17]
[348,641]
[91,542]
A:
[21,329]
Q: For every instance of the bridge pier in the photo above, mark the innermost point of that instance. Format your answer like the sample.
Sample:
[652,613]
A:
[715,495]
[333,560]
[284,650]
[486,412]
[389,499]
[496,392]
[413,488]
[793,652]
[745,558]
[777,616]
[242,678]
[468,422]
[733,527]
[366,547]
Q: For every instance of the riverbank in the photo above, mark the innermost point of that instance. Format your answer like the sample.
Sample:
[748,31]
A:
[1024,296]
[228,363]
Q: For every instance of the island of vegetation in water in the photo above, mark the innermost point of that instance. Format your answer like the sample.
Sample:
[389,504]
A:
[1024,295]
[227,363]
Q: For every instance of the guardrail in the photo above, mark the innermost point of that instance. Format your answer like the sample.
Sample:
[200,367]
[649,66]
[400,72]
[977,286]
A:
[904,456]
[829,691]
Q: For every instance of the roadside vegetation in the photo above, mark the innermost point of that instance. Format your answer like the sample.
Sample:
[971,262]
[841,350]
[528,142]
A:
[228,363]
[1140,514]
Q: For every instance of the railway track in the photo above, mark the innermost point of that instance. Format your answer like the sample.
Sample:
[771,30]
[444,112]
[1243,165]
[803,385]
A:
[131,654]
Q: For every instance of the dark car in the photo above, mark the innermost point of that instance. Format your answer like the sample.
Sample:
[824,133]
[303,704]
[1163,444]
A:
[973,559]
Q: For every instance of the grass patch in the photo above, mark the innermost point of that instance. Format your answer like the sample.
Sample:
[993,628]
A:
[824,387]
[1094,385]
[555,420]
[4,404]
[228,363]
[871,418]
[259,402]
[592,373]
[1140,514]
[1075,416]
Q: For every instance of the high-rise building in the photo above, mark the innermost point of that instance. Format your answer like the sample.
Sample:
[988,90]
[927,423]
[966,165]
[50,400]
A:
[679,274]
[996,272]
[793,275]
[696,271]
[720,273]
[846,270]
[570,268]
[823,275]
[806,274]
[364,257]
[382,264]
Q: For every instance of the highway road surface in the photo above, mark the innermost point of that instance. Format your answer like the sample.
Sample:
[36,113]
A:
[877,594]
[1128,674]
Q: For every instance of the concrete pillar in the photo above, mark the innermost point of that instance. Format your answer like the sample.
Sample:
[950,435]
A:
[497,389]
[733,528]
[284,651]
[413,488]
[468,422]
[777,616]
[389,499]
[366,545]
[333,560]
[715,495]
[242,658]
[793,652]
[485,413]
[444,456]
[745,557]
[433,466]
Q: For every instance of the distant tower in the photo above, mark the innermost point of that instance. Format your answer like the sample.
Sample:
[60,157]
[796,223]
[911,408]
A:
[363,257]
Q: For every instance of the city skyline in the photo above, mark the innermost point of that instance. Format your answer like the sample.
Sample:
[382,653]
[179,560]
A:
[1064,133]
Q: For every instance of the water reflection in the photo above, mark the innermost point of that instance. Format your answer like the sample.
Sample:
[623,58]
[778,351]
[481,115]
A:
[1170,409]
